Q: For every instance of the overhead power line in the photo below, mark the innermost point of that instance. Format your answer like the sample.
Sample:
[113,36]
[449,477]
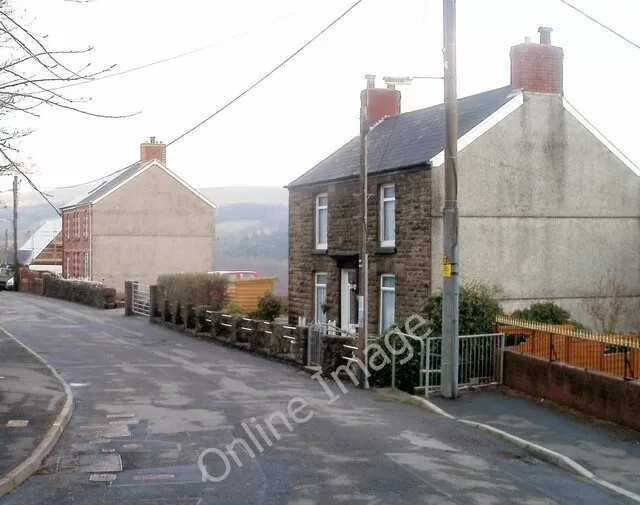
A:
[175,57]
[21,172]
[618,34]
[268,74]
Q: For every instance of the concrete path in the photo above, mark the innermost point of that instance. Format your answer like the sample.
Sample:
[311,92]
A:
[610,452]
[30,400]
[149,402]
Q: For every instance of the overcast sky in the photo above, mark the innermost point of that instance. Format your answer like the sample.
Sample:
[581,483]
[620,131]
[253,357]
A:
[310,107]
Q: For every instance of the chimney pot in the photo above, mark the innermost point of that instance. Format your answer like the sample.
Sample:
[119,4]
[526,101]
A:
[153,150]
[371,80]
[537,68]
[545,35]
[527,40]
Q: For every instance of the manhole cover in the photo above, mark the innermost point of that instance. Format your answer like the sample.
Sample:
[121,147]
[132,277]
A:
[101,463]
[17,423]
[104,431]
[133,446]
[120,416]
[124,422]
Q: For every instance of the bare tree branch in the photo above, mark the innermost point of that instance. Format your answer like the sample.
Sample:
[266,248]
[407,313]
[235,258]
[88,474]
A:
[29,72]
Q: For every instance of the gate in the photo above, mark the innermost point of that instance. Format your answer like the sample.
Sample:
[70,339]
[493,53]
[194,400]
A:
[315,345]
[480,361]
[141,299]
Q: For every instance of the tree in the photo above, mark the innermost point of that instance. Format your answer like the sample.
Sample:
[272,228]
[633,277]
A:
[32,76]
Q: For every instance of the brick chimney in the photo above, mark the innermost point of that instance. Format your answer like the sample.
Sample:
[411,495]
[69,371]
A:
[378,103]
[537,67]
[153,150]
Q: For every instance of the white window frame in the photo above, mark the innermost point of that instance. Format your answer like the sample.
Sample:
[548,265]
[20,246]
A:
[383,200]
[383,290]
[322,245]
[317,285]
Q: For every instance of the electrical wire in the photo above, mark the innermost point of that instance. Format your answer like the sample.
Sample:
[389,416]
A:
[268,74]
[618,34]
[175,57]
[228,104]
[26,177]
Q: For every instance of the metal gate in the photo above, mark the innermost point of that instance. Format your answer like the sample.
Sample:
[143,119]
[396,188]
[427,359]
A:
[141,299]
[315,346]
[480,359]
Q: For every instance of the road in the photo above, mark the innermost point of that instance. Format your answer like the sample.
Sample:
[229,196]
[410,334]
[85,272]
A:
[150,401]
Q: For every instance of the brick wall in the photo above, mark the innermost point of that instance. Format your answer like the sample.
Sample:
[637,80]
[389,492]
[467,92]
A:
[603,396]
[76,240]
[537,68]
[410,262]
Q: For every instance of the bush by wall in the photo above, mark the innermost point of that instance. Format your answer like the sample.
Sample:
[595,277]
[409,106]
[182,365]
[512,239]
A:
[234,308]
[269,307]
[478,306]
[194,288]
[87,293]
[543,312]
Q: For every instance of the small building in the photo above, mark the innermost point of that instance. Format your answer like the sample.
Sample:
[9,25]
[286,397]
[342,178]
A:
[547,204]
[45,247]
[138,223]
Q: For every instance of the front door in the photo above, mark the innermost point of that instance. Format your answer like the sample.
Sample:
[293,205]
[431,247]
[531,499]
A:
[348,301]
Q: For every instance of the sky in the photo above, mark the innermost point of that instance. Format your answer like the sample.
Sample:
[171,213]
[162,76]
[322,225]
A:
[310,107]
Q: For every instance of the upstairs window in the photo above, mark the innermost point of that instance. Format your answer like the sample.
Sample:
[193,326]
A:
[388,216]
[322,215]
[86,224]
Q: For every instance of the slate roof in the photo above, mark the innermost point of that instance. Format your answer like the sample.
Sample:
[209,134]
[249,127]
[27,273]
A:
[406,141]
[105,185]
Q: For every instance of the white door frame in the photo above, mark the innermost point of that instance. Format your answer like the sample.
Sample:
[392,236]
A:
[345,300]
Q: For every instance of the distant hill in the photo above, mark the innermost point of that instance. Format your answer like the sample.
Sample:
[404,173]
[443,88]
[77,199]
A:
[251,224]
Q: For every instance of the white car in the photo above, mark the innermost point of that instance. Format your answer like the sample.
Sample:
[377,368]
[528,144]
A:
[9,284]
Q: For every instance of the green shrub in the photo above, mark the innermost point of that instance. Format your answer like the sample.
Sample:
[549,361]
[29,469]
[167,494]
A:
[543,312]
[234,308]
[194,288]
[407,365]
[478,309]
[269,307]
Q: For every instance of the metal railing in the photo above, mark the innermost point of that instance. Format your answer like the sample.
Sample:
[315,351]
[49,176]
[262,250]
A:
[480,358]
[141,299]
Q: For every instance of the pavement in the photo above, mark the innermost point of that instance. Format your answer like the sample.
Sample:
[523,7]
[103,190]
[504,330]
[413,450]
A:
[611,452]
[149,402]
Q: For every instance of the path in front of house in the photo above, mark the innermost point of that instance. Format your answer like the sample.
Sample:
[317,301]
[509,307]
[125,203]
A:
[609,451]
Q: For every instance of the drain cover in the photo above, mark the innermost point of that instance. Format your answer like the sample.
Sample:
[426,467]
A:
[124,422]
[102,477]
[120,416]
[17,423]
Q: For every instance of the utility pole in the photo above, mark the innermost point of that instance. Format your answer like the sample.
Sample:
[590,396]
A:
[363,263]
[450,260]
[16,285]
[6,245]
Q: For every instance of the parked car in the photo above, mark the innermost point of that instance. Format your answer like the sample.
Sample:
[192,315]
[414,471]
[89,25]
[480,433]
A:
[6,274]
[236,275]
[9,285]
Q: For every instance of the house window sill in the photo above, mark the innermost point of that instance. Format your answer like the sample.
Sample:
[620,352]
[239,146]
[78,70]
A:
[386,250]
[319,252]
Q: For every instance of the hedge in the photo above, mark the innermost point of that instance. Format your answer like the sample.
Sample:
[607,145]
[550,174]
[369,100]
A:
[87,293]
[194,288]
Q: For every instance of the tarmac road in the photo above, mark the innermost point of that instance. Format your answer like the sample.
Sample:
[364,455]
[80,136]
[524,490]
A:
[149,402]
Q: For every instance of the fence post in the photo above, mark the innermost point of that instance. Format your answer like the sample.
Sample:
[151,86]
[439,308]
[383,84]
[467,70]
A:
[128,298]
[215,319]
[153,302]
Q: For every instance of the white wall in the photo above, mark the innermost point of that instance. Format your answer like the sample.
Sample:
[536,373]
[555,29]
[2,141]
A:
[545,210]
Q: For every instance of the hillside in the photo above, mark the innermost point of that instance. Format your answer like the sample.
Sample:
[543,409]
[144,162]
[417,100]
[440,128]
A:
[251,225]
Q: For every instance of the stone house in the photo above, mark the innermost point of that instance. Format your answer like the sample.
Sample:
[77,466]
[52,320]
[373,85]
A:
[547,204]
[138,223]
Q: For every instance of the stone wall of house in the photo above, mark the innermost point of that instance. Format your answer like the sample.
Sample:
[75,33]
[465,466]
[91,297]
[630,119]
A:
[410,261]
